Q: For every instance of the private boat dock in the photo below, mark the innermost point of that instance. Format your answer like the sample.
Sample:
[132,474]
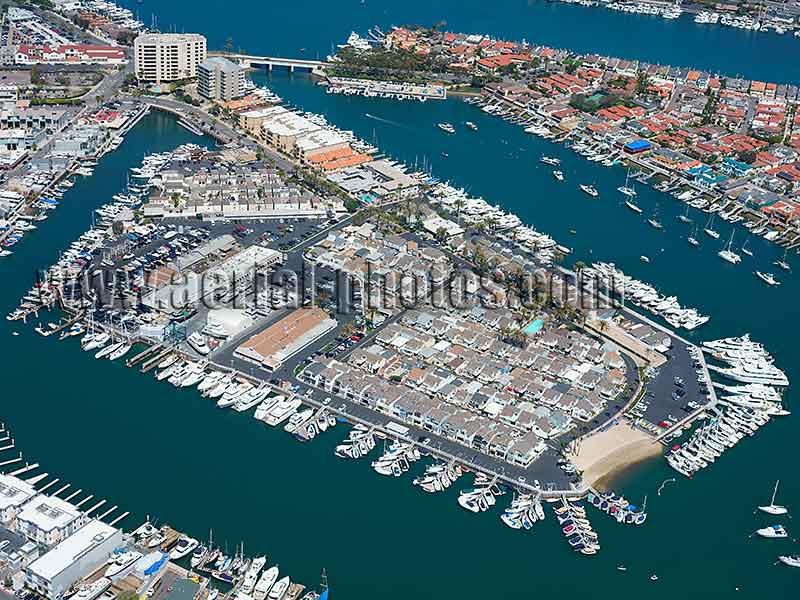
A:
[370,88]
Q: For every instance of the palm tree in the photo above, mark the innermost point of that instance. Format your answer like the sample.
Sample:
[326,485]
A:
[460,203]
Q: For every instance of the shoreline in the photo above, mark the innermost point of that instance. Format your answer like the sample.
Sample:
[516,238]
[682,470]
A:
[604,456]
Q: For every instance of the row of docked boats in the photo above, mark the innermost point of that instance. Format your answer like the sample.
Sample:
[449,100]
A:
[725,429]
[523,512]
[396,458]
[747,361]
[438,477]
[481,497]
[647,297]
[576,527]
[618,507]
[359,442]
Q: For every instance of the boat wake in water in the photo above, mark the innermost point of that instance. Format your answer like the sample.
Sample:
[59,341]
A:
[382,120]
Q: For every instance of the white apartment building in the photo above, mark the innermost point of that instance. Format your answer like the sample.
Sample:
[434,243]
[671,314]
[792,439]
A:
[47,520]
[14,494]
[163,57]
[220,79]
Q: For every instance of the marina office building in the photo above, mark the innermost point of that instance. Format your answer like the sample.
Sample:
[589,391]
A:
[163,57]
[220,79]
[55,572]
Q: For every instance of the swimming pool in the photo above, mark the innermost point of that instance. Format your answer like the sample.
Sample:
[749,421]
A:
[534,326]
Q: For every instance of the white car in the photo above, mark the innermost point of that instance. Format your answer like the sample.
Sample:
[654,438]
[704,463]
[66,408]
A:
[327,401]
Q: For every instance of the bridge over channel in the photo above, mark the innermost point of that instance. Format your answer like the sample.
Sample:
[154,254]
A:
[270,62]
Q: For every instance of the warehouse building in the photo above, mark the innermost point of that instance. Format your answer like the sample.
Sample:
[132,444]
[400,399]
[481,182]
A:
[55,572]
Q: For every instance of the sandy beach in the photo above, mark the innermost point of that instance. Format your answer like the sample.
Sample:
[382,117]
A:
[606,453]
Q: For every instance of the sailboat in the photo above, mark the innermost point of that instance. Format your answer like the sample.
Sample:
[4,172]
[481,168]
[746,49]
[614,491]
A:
[772,508]
[692,239]
[626,189]
[654,222]
[728,254]
[745,249]
[710,228]
[782,263]
[685,216]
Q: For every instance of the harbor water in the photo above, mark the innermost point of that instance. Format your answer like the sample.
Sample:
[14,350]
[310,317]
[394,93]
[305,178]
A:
[312,29]
[152,449]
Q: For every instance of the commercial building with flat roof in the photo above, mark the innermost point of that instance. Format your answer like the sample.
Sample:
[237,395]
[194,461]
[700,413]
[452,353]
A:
[14,494]
[47,520]
[220,79]
[55,572]
[168,56]
[282,340]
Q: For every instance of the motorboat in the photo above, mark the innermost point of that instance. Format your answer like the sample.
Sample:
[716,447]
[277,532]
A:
[91,591]
[184,546]
[773,531]
[591,190]
[446,127]
[281,411]
[550,160]
[558,175]
[265,583]
[471,125]
[772,508]
[279,589]
[199,343]
[792,561]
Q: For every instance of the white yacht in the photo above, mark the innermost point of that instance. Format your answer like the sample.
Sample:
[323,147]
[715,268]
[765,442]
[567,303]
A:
[773,531]
[233,392]
[282,411]
[446,127]
[297,419]
[93,590]
[120,563]
[251,398]
[278,591]
[550,160]
[558,175]
[266,405]
[265,583]
[591,190]
[199,343]
[792,561]
[184,547]
[772,508]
